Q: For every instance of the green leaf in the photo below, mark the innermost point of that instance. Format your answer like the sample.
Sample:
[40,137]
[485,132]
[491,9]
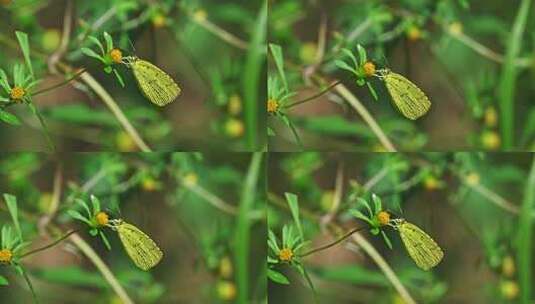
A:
[95,203]
[9,118]
[294,208]
[97,42]
[277,277]
[76,215]
[119,78]
[11,202]
[276,51]
[3,81]
[3,281]
[89,52]
[350,55]
[105,240]
[344,66]
[25,47]
[109,41]
[362,54]
[372,90]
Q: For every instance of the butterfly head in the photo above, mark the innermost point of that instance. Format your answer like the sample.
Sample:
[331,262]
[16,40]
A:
[129,60]
[382,73]
[395,223]
[113,224]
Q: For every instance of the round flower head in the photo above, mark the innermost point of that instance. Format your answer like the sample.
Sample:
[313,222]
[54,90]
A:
[384,218]
[369,69]
[5,256]
[286,254]
[102,218]
[17,93]
[272,106]
[116,55]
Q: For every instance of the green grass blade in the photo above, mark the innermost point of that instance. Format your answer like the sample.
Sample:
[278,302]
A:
[242,237]
[255,62]
[25,47]
[11,202]
[509,74]
[525,238]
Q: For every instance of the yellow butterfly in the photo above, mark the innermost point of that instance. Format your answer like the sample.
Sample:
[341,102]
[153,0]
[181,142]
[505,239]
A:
[155,84]
[408,98]
[421,247]
[139,246]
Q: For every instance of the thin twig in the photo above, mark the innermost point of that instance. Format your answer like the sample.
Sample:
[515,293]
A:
[66,81]
[219,32]
[68,234]
[337,241]
[67,28]
[322,92]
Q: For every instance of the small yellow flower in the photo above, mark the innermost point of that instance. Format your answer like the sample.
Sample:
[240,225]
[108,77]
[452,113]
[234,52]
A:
[124,142]
[472,179]
[272,106]
[508,266]
[286,254]
[44,201]
[509,289]
[369,69]
[51,40]
[490,140]
[200,15]
[226,290]
[102,218]
[5,256]
[414,33]
[234,104]
[159,20]
[149,184]
[455,28]
[491,117]
[234,127]
[225,268]
[431,183]
[17,93]
[308,52]
[383,218]
[191,179]
[327,199]
[116,55]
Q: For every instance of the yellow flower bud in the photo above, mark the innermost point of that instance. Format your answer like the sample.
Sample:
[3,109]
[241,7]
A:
[414,33]
[490,140]
[508,266]
[102,218]
[5,256]
[225,268]
[369,69]
[491,117]
[286,254]
[226,290]
[308,52]
[234,104]
[191,179]
[17,93]
[116,55]
[234,127]
[383,218]
[272,106]
[509,289]
[159,20]
[472,179]
[200,15]
[455,28]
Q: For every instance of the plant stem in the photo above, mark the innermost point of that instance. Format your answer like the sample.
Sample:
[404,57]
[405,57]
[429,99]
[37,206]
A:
[49,245]
[66,81]
[116,110]
[322,92]
[370,121]
[102,267]
[525,239]
[507,83]
[327,246]
[27,279]
[219,32]
[243,228]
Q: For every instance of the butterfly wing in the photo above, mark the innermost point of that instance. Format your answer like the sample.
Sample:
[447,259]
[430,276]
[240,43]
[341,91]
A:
[408,98]
[155,84]
[139,246]
[421,247]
